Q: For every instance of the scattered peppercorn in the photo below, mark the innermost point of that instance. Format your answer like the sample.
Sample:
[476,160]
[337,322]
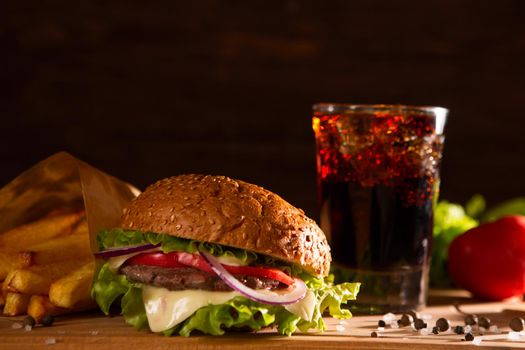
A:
[471,320]
[29,321]
[413,313]
[484,322]
[469,337]
[459,330]
[435,330]
[517,324]
[373,334]
[381,323]
[419,324]
[443,324]
[406,320]
[47,320]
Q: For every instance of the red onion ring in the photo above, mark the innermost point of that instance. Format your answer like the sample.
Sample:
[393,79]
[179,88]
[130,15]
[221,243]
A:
[291,295]
[118,251]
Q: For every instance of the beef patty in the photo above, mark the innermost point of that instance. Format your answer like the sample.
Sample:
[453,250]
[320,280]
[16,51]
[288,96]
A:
[189,278]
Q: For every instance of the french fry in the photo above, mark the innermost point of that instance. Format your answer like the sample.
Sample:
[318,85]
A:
[41,230]
[63,248]
[40,306]
[51,255]
[10,260]
[5,283]
[38,279]
[73,290]
[16,304]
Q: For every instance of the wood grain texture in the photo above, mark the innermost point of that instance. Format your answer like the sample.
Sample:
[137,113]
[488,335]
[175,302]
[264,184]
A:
[95,331]
[146,91]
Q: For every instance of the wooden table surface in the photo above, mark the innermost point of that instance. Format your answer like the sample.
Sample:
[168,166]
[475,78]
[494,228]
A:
[95,331]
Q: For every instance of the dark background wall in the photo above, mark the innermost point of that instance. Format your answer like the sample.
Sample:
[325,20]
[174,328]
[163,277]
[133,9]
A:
[144,90]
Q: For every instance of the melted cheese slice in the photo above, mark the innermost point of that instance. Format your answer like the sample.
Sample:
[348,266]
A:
[166,309]
[305,307]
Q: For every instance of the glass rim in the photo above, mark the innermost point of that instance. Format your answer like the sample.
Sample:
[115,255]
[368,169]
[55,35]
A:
[340,107]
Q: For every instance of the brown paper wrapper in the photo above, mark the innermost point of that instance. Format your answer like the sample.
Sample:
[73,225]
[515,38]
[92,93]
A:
[63,182]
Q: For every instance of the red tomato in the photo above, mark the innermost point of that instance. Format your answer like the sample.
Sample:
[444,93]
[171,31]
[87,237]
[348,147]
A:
[182,259]
[489,260]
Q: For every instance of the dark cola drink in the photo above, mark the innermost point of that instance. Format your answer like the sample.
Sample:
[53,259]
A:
[378,180]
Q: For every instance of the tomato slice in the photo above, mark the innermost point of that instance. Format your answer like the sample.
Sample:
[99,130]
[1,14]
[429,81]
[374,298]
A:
[155,259]
[258,271]
[182,259]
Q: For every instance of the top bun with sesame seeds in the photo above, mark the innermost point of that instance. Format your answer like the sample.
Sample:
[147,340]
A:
[233,213]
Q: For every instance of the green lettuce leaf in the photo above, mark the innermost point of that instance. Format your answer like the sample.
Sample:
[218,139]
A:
[475,206]
[133,308]
[450,220]
[118,237]
[514,206]
[329,297]
[107,287]
[237,313]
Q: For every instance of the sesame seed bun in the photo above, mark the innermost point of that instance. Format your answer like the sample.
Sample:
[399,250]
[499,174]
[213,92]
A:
[230,212]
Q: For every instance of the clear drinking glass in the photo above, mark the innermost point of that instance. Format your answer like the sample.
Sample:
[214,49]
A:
[378,181]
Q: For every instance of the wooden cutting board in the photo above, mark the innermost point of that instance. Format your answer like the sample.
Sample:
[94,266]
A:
[95,331]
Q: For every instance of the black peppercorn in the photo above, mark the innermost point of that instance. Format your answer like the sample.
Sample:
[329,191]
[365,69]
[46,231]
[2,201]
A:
[443,324]
[435,330]
[47,320]
[406,320]
[29,321]
[471,320]
[517,324]
[419,324]
[381,323]
[469,337]
[459,330]
[414,314]
[484,322]
[373,334]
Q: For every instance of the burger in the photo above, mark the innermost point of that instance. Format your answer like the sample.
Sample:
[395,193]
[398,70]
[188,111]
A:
[209,253]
